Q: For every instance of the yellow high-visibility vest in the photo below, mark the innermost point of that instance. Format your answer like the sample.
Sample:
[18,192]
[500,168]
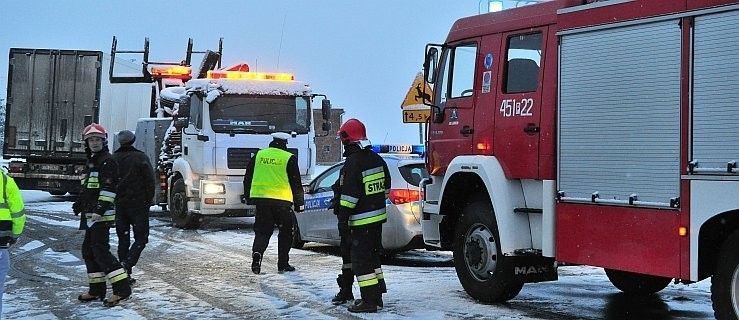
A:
[270,178]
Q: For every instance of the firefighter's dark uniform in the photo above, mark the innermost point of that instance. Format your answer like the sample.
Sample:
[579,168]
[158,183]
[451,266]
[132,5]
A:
[97,197]
[346,278]
[272,183]
[366,180]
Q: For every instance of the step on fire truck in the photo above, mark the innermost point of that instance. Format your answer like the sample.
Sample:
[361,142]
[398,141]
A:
[218,122]
[594,133]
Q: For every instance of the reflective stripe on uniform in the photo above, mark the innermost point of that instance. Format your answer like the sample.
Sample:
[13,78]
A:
[105,218]
[96,277]
[348,201]
[18,214]
[6,233]
[378,273]
[372,171]
[92,181]
[4,205]
[117,275]
[106,196]
[367,280]
[346,266]
[367,217]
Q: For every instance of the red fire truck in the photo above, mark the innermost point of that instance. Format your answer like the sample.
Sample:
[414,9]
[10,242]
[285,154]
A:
[594,133]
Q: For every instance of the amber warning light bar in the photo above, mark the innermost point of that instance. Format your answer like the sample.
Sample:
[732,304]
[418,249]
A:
[224,74]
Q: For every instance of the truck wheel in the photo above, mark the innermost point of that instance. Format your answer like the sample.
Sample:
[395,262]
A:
[635,283]
[480,266]
[298,242]
[181,217]
[725,281]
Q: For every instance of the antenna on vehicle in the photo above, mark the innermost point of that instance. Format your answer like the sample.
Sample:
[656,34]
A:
[282,33]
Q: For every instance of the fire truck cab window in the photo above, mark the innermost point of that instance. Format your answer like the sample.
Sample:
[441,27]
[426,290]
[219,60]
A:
[522,63]
[456,73]
[463,70]
[441,82]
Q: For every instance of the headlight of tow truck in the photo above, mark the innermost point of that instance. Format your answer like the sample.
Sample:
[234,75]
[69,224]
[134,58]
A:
[214,188]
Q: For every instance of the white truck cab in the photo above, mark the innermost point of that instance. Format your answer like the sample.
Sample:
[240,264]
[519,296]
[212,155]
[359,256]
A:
[225,119]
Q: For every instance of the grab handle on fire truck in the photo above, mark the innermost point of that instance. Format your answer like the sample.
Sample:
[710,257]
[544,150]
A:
[694,168]
[466,131]
[531,128]
[422,186]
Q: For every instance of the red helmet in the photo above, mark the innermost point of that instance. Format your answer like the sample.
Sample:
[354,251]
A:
[352,131]
[94,130]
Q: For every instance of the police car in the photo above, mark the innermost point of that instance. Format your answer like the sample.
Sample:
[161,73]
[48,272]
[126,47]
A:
[402,231]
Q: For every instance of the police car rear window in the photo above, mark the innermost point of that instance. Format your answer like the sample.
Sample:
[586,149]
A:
[413,173]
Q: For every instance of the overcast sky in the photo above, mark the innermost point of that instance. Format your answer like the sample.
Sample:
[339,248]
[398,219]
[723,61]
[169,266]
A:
[362,54]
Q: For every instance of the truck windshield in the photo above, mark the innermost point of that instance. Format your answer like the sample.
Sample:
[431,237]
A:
[260,114]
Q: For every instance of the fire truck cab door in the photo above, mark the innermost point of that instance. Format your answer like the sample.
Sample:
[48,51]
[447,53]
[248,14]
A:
[451,129]
[518,103]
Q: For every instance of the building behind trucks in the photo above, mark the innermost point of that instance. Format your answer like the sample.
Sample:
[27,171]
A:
[588,133]
[52,95]
[218,123]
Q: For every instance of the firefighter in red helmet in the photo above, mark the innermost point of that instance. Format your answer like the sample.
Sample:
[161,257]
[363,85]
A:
[95,204]
[359,203]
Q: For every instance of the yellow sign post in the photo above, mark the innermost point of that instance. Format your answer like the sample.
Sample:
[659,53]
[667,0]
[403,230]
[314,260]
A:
[414,111]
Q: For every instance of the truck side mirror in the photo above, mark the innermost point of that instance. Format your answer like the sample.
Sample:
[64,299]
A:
[437,115]
[429,64]
[326,109]
[183,109]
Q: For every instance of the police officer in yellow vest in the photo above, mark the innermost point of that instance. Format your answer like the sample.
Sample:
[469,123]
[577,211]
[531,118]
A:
[272,183]
[12,220]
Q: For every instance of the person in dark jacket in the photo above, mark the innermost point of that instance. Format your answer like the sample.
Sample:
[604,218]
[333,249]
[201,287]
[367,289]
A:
[345,280]
[96,205]
[132,201]
[272,183]
[365,182]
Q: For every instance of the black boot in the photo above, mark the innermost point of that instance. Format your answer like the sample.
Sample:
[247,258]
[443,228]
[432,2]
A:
[361,306]
[86,297]
[287,268]
[256,262]
[345,290]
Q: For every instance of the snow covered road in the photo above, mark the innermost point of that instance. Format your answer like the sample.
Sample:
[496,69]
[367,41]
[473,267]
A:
[205,274]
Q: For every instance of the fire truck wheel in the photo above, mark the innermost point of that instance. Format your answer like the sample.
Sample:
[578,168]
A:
[181,217]
[725,281]
[635,283]
[480,266]
[298,242]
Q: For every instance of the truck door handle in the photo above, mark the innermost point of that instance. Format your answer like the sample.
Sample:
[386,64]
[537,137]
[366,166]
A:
[466,131]
[531,129]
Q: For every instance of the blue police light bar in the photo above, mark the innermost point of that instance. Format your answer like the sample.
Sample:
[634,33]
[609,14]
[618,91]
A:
[399,148]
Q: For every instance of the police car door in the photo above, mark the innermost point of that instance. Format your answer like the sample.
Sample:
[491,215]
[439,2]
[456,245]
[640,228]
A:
[318,222]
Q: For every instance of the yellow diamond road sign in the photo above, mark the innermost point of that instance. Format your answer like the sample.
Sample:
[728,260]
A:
[414,111]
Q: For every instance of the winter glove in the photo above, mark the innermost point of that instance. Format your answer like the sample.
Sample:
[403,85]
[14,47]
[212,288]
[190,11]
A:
[77,208]
[7,241]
